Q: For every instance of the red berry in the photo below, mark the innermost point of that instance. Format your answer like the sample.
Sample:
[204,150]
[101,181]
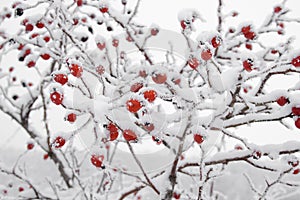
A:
[21,46]
[256,154]
[27,52]
[61,78]
[4,192]
[16,4]
[133,105]
[149,127]
[100,70]
[198,138]
[40,25]
[247,64]
[92,16]
[281,25]
[101,46]
[176,81]
[84,19]
[157,140]
[246,29]
[216,41]
[238,147]
[296,110]
[154,31]
[247,88]
[282,101]
[30,64]
[231,30]
[79,2]
[76,70]
[277,9]
[193,63]
[34,35]
[21,189]
[11,69]
[30,146]
[112,127]
[293,163]
[24,22]
[143,73]
[97,160]
[248,46]
[59,142]
[46,38]
[104,9]
[150,95]
[45,56]
[29,27]
[297,123]
[296,171]
[71,117]
[274,51]
[206,54]
[136,87]
[56,98]
[115,42]
[183,24]
[234,14]
[46,156]
[129,135]
[129,39]
[250,35]
[296,61]
[113,135]
[159,78]
[176,195]
[75,21]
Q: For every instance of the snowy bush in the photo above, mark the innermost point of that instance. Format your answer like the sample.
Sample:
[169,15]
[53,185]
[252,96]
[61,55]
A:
[115,109]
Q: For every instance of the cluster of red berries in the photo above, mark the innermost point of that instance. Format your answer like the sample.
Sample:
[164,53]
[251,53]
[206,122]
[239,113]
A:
[29,26]
[206,53]
[62,78]
[248,32]
[134,105]
[113,130]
